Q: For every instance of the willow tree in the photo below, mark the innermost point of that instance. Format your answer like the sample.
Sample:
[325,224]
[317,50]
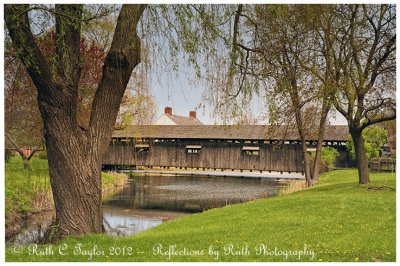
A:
[200,37]
[281,51]
[75,152]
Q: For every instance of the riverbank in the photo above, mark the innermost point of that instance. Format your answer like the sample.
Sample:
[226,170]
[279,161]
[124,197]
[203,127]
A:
[338,220]
[28,191]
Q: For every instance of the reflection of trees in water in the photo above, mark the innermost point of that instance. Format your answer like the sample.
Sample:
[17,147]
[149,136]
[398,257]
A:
[192,194]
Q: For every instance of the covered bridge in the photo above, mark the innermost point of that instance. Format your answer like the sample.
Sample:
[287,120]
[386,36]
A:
[244,147]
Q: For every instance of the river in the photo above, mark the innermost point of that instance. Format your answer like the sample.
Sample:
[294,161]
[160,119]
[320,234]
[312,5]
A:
[147,201]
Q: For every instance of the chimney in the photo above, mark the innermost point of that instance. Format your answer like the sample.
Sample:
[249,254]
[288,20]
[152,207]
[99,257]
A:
[168,110]
[192,114]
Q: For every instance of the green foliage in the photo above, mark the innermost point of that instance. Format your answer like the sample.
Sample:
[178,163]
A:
[111,183]
[8,155]
[23,184]
[112,179]
[374,139]
[328,157]
[333,226]
[43,155]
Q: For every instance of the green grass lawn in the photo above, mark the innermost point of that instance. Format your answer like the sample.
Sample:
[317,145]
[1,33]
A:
[336,221]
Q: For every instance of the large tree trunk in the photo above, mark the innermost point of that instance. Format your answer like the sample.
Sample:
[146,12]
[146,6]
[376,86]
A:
[74,158]
[75,154]
[75,167]
[361,157]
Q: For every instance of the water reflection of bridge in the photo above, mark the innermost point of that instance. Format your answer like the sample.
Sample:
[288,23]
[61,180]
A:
[255,148]
[149,195]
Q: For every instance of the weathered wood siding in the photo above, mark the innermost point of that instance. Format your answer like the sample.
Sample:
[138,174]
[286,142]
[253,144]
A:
[214,154]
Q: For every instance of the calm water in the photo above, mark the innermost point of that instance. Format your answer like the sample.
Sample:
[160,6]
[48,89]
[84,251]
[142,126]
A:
[190,193]
[147,201]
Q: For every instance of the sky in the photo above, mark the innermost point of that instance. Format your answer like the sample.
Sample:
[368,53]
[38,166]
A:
[180,94]
[183,96]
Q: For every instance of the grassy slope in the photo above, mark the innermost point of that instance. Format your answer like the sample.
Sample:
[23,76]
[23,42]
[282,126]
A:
[29,190]
[22,184]
[338,220]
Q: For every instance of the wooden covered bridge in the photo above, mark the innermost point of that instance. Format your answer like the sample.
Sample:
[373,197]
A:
[246,147]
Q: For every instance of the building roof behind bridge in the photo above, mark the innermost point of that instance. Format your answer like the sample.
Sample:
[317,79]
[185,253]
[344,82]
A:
[232,132]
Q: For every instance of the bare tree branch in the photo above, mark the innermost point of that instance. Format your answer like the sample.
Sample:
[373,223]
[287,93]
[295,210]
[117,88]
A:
[38,67]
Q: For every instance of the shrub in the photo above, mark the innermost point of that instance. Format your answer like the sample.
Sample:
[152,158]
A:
[328,158]
[374,139]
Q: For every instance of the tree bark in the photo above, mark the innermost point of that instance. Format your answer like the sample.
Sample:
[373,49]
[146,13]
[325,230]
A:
[321,133]
[295,100]
[361,157]
[300,128]
[306,163]
[75,154]
[317,159]
[75,167]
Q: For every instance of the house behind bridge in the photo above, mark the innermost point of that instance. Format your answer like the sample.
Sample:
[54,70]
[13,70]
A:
[168,118]
[244,147]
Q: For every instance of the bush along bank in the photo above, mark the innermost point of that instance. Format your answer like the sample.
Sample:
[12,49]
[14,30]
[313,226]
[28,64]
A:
[112,182]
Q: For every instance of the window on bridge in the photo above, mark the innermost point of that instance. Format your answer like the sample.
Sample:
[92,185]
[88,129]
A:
[251,150]
[142,148]
[193,149]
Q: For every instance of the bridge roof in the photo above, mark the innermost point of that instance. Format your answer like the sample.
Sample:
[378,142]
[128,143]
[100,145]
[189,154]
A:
[231,132]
